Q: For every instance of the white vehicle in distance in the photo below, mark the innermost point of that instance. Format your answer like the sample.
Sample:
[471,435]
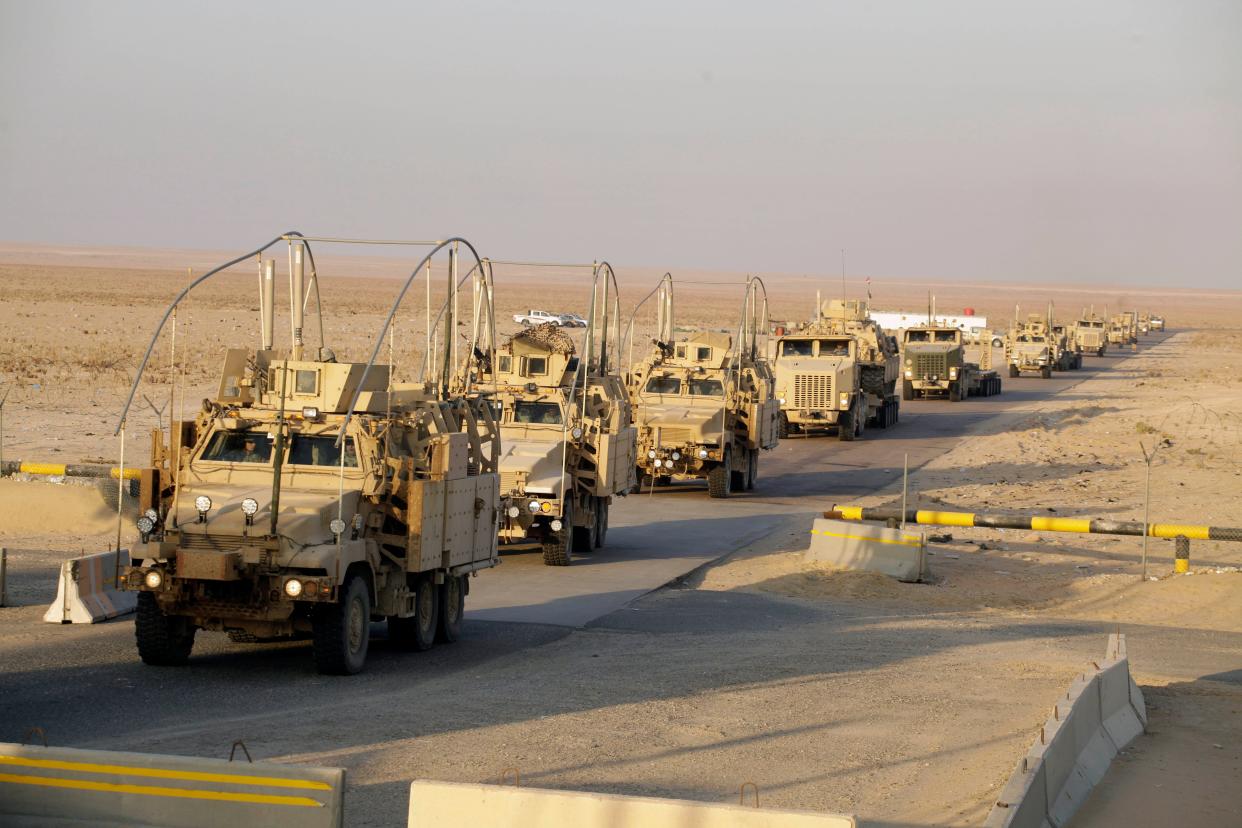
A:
[538,317]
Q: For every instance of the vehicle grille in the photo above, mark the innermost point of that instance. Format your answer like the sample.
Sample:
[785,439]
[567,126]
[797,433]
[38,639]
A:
[508,482]
[930,364]
[675,436]
[214,543]
[812,391]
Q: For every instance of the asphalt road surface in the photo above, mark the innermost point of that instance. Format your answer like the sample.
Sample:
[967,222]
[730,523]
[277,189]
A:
[657,536]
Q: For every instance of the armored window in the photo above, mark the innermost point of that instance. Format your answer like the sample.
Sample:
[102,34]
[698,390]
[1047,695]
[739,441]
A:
[681,351]
[834,347]
[238,447]
[321,451]
[917,336]
[537,366]
[306,382]
[505,363]
[796,347]
[706,388]
[664,385]
[541,413]
[946,336]
[704,354]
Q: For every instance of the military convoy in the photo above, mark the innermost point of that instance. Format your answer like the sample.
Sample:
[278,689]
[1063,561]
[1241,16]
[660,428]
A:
[309,498]
[840,371]
[1036,345]
[934,365]
[566,426]
[1091,335]
[705,406]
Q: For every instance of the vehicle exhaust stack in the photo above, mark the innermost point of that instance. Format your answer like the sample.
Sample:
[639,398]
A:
[267,302]
[296,275]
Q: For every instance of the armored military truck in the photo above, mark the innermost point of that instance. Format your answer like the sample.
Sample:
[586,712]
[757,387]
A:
[704,404]
[934,365]
[309,498]
[839,371]
[1091,335]
[569,444]
[1066,344]
[1032,346]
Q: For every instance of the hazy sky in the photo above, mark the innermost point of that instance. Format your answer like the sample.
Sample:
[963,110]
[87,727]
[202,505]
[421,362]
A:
[1094,141]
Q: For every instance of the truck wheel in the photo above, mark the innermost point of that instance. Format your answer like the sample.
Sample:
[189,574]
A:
[342,631]
[907,389]
[1099,351]
[584,536]
[719,478]
[452,608]
[1013,371]
[752,471]
[782,426]
[847,430]
[601,524]
[163,640]
[955,392]
[738,483]
[1046,372]
[418,632]
[558,547]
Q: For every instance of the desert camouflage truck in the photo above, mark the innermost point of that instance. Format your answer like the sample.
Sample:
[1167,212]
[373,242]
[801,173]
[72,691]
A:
[1144,323]
[310,498]
[1118,333]
[1066,340]
[704,404]
[839,371]
[1157,323]
[934,364]
[1032,346]
[1091,335]
[569,444]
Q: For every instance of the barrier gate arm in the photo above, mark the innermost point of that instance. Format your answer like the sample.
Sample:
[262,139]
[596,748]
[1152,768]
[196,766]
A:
[1038,523]
[10,467]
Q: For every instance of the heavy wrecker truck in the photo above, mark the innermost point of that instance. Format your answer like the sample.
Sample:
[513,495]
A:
[934,365]
[704,403]
[310,498]
[840,371]
[566,425]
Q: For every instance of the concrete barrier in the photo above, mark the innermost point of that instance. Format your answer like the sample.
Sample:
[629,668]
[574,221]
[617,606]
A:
[41,786]
[1101,713]
[85,593]
[503,806]
[873,548]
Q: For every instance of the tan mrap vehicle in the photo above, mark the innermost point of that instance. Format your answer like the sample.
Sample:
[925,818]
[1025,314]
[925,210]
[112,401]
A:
[310,498]
[1091,335]
[840,372]
[934,364]
[1157,323]
[569,443]
[1065,337]
[704,404]
[1032,346]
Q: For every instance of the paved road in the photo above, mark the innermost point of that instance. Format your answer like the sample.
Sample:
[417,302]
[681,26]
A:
[656,537]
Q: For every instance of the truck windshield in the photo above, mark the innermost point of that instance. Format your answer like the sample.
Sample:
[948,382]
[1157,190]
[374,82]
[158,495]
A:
[664,385]
[918,336]
[321,451]
[946,336]
[238,447]
[706,388]
[796,347]
[834,347]
[540,413]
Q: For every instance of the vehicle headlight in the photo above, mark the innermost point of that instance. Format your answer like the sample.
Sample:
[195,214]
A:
[203,504]
[782,400]
[556,525]
[952,373]
[293,587]
[154,579]
[153,515]
[576,432]
[651,454]
[514,511]
[909,375]
[533,506]
[250,506]
[845,399]
[702,454]
[145,525]
[337,526]
[677,455]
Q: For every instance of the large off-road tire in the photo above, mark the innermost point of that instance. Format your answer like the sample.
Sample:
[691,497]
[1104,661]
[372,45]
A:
[558,547]
[752,470]
[342,631]
[452,601]
[720,477]
[1099,351]
[1013,371]
[955,391]
[418,631]
[601,525]
[907,389]
[163,640]
[782,426]
[584,536]
[1046,372]
[847,428]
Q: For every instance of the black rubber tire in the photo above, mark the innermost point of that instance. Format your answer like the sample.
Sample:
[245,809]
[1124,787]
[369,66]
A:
[782,426]
[847,429]
[1099,352]
[738,483]
[752,474]
[558,547]
[1013,371]
[955,392]
[601,530]
[452,605]
[1045,372]
[342,631]
[1000,386]
[719,478]
[163,640]
[418,632]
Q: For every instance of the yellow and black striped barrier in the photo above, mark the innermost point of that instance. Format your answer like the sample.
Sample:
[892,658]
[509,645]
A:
[1039,523]
[69,470]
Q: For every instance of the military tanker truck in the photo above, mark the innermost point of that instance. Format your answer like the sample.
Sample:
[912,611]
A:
[309,498]
[840,371]
[1091,334]
[704,403]
[566,425]
[934,364]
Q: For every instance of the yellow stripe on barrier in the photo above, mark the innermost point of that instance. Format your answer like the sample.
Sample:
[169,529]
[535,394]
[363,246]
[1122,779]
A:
[164,773]
[908,540]
[150,790]
[850,512]
[42,468]
[1174,530]
[945,518]
[130,473]
[1047,524]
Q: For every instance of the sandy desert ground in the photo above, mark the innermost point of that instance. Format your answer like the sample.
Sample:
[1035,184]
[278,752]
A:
[949,679]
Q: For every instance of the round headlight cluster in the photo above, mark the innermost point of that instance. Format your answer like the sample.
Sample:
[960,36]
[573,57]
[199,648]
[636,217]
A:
[702,454]
[337,526]
[556,525]
[514,511]
[153,515]
[533,506]
[677,455]
[153,579]
[293,587]
[576,431]
[202,503]
[145,525]
[249,507]
[651,454]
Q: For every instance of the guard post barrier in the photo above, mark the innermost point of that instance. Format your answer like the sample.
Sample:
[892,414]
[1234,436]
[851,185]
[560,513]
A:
[86,591]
